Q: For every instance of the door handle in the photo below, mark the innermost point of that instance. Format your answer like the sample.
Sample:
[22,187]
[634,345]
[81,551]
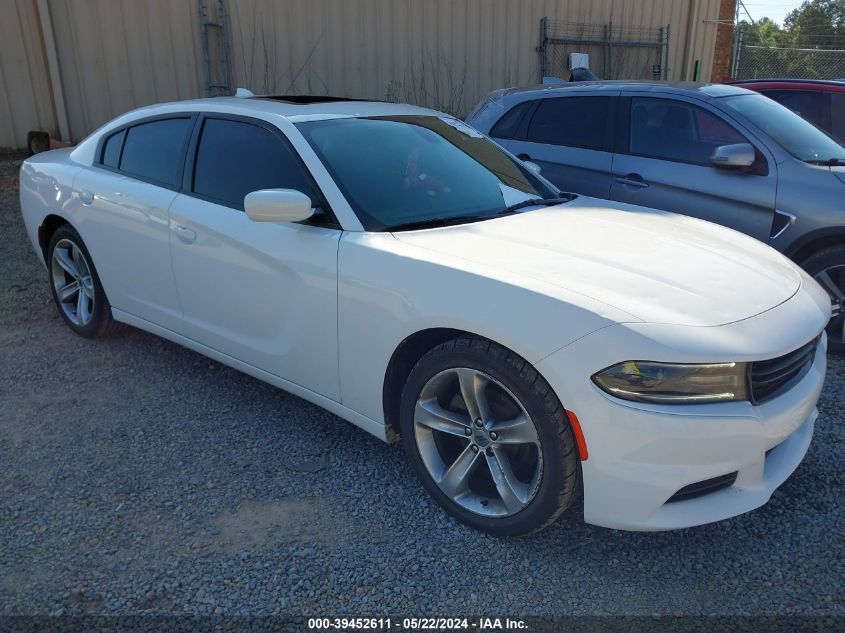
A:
[632,180]
[523,156]
[184,233]
[86,197]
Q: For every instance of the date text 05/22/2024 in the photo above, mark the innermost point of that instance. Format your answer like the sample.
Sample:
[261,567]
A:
[480,624]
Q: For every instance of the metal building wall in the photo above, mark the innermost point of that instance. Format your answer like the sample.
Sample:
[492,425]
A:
[441,53]
[114,55]
[25,98]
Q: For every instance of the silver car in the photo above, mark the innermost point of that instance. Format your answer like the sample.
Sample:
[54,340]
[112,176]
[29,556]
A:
[716,152]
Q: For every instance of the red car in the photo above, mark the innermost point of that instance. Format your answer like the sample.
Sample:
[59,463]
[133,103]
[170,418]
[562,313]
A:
[820,102]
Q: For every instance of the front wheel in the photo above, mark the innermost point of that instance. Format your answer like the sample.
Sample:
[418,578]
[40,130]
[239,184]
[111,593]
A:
[488,438]
[828,268]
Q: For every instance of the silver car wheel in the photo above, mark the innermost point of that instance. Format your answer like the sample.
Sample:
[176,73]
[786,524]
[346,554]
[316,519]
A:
[72,281]
[833,281]
[478,442]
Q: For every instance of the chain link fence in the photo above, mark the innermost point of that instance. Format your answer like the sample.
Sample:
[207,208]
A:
[616,52]
[758,62]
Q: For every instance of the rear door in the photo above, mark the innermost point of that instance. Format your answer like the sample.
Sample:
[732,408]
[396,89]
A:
[571,139]
[662,161]
[124,198]
[264,293]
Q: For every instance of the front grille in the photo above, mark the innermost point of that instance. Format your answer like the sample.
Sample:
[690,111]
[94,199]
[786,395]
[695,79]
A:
[769,378]
[703,487]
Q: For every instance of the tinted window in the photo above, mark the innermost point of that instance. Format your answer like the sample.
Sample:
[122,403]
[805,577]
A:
[677,131]
[395,170]
[154,150]
[807,103]
[572,121]
[236,158]
[111,150]
[508,125]
[837,114]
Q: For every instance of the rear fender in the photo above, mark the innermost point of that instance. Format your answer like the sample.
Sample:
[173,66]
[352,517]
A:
[46,189]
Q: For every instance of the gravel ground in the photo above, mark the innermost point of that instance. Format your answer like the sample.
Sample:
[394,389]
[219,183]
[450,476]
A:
[140,477]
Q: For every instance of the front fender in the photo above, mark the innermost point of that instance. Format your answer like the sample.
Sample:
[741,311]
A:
[388,291]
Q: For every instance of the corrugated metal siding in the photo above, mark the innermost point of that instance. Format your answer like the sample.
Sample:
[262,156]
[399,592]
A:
[115,55]
[25,97]
[441,53]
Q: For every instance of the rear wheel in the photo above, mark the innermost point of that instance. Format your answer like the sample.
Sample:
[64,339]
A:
[828,268]
[488,438]
[75,285]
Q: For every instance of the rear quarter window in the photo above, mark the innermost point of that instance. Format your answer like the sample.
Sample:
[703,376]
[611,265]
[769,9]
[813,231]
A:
[111,149]
[508,125]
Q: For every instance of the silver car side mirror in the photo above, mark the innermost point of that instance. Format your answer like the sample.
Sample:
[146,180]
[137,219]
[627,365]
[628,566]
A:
[278,205]
[737,156]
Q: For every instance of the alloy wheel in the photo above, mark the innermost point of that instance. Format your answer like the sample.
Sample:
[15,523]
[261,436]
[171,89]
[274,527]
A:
[833,281]
[478,442]
[72,281]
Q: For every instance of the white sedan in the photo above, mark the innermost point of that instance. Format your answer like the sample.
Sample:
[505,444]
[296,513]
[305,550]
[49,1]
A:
[395,267]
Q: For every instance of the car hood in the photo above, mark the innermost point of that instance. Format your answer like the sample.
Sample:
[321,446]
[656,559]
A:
[657,266]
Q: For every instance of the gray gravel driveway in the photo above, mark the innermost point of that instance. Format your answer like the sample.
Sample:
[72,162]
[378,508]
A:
[138,477]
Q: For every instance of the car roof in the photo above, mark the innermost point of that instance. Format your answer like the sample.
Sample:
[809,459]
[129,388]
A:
[835,85]
[665,87]
[293,107]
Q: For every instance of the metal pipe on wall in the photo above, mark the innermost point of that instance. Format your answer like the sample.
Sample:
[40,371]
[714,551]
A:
[49,40]
[688,38]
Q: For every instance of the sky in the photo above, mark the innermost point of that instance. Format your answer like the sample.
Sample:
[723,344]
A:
[777,10]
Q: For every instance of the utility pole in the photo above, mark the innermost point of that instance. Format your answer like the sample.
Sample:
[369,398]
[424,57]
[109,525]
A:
[735,47]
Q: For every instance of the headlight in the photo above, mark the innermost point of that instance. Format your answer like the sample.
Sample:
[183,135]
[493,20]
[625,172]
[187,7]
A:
[668,383]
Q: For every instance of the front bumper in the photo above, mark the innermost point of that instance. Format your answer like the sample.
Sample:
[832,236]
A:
[641,454]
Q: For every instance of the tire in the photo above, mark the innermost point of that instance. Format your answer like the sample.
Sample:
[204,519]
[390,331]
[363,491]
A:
[86,309]
[828,268]
[438,437]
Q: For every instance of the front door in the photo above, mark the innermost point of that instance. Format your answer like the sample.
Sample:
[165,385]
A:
[264,293]
[664,164]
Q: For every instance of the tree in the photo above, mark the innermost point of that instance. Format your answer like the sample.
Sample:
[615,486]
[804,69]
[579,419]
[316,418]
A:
[769,50]
[817,24]
[764,32]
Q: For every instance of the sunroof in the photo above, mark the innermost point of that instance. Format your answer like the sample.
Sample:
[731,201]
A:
[306,99]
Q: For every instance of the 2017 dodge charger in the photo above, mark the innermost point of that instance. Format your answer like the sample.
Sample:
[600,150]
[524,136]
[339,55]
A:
[394,266]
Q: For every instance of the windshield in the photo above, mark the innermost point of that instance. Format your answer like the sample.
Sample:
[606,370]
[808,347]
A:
[409,170]
[796,135]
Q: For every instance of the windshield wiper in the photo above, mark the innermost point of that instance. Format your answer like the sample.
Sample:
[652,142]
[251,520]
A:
[830,162]
[536,202]
[431,223]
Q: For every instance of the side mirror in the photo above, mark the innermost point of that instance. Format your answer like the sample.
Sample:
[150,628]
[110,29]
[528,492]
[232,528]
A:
[738,156]
[534,167]
[278,205]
